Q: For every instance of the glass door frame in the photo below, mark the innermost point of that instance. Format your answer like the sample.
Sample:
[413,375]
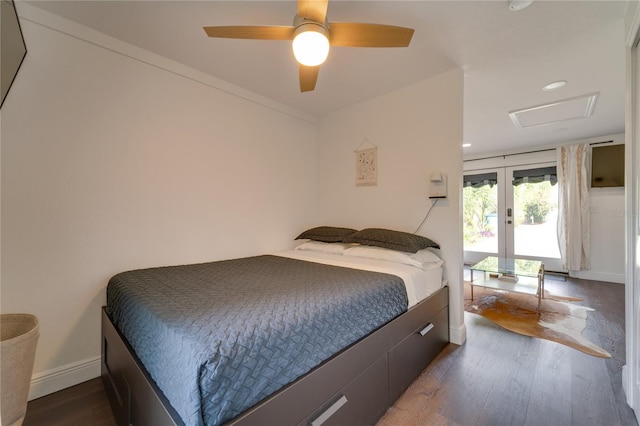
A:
[505,232]
[550,263]
[473,257]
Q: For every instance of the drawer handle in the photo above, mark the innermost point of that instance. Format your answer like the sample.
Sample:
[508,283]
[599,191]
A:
[427,329]
[329,411]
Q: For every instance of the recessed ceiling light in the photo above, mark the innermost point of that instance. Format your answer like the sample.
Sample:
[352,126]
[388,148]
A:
[554,85]
[519,4]
[466,145]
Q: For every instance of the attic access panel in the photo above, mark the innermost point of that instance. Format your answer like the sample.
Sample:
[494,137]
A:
[563,110]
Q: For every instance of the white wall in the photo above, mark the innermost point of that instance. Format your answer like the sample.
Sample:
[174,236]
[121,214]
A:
[418,131]
[113,159]
[607,236]
[607,227]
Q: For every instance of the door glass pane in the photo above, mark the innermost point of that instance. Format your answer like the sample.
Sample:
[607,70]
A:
[480,213]
[535,218]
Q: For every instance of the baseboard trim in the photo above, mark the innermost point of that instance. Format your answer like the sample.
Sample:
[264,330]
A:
[458,335]
[625,384]
[598,276]
[51,381]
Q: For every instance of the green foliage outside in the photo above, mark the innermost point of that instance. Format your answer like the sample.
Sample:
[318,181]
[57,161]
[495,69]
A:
[534,199]
[536,212]
[480,204]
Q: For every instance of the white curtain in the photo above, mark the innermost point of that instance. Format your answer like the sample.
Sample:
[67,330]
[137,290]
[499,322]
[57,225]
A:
[574,163]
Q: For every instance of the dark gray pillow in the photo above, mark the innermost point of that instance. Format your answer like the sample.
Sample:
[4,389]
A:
[327,234]
[395,240]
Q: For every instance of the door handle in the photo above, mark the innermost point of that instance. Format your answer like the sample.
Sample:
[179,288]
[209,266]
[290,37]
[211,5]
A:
[509,212]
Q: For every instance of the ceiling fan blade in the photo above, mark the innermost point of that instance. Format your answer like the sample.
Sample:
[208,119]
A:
[315,10]
[252,32]
[368,35]
[308,77]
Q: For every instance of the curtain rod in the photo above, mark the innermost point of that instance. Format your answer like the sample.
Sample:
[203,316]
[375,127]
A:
[527,152]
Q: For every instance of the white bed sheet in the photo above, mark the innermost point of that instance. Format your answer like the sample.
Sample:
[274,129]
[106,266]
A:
[420,283]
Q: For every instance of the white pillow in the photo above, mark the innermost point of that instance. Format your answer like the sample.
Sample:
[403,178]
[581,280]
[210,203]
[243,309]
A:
[424,259]
[322,247]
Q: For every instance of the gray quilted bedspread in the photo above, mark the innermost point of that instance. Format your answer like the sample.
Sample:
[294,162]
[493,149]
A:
[219,337]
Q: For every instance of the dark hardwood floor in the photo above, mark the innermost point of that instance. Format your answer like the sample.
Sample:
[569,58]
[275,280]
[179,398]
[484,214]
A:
[495,378]
[502,378]
[85,404]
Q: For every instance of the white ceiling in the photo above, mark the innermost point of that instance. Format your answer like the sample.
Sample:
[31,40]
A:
[507,56]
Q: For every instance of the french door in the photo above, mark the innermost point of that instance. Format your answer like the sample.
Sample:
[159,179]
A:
[512,212]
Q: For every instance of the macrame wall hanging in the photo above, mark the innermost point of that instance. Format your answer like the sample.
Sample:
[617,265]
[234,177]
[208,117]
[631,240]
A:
[366,164]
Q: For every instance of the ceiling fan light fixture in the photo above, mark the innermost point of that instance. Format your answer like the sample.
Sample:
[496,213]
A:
[310,44]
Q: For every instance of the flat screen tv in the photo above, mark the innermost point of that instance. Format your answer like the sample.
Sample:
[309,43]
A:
[12,46]
[607,166]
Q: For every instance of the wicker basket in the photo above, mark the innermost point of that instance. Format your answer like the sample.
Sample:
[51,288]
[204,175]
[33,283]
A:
[18,340]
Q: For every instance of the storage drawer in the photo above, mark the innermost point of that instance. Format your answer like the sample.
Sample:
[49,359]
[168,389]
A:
[417,317]
[318,389]
[362,402]
[415,352]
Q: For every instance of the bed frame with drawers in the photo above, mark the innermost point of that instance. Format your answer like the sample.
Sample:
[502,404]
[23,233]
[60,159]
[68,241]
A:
[354,387]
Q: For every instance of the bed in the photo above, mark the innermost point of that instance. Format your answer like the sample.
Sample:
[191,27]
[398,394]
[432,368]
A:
[329,333]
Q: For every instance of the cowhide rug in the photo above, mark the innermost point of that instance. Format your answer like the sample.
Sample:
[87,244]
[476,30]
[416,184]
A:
[558,321]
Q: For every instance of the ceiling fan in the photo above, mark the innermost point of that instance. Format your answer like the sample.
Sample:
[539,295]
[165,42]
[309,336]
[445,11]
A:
[312,36]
